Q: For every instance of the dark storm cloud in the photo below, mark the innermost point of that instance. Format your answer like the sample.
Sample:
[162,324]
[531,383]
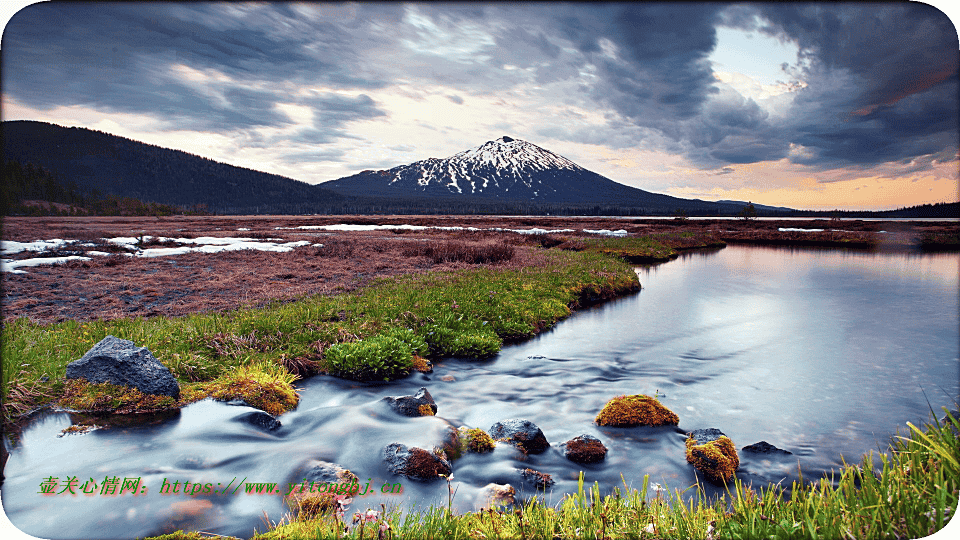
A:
[660,73]
[881,79]
[900,63]
[122,58]
[333,110]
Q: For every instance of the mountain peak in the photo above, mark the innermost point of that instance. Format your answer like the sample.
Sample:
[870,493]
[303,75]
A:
[505,139]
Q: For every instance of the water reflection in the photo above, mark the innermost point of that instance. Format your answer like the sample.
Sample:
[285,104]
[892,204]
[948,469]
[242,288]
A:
[823,353]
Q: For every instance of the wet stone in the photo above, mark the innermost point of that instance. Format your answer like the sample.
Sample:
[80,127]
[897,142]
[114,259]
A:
[420,404]
[763,447]
[521,433]
[415,463]
[537,479]
[261,420]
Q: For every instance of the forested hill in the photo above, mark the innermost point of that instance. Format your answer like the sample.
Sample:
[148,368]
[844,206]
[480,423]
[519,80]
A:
[121,167]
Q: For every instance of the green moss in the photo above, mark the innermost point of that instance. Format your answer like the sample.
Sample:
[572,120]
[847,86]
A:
[475,440]
[635,410]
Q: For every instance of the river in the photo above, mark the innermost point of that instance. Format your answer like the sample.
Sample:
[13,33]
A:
[824,353]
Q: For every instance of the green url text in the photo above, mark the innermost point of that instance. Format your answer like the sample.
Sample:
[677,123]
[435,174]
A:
[115,486]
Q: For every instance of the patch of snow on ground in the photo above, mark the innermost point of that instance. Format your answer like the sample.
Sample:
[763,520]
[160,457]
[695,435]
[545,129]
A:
[220,247]
[9,265]
[607,232]
[205,244]
[9,247]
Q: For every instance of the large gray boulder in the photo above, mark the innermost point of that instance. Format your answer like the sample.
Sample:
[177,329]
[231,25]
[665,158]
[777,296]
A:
[121,362]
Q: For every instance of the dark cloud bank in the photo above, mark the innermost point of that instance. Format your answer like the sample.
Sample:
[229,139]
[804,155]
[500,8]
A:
[881,80]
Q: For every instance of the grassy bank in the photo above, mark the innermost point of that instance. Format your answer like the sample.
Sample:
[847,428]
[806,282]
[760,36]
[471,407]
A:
[378,332]
[909,492]
[651,248]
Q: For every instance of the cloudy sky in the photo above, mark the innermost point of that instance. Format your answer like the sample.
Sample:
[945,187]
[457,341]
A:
[817,105]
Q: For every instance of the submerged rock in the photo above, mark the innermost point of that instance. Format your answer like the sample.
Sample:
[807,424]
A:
[316,493]
[493,495]
[635,410]
[521,433]
[120,362]
[539,480]
[260,419]
[763,447]
[421,404]
[712,453]
[326,472]
[415,463]
[584,449]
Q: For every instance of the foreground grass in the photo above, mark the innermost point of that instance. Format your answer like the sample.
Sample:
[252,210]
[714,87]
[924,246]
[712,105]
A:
[910,493]
[371,334]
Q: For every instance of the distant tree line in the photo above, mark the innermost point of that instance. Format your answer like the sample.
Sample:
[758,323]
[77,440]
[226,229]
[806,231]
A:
[936,210]
[29,190]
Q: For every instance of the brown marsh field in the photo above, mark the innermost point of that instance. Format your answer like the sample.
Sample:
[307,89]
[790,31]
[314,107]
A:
[117,286]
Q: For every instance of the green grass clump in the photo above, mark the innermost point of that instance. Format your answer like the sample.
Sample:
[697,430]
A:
[377,358]
[265,386]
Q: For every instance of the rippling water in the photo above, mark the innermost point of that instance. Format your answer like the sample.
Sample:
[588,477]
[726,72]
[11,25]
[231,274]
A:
[822,353]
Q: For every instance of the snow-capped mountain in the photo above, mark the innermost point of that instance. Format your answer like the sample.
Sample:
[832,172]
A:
[505,169]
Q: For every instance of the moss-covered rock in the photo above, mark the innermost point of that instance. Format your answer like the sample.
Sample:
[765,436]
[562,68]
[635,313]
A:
[713,454]
[102,398]
[584,449]
[475,440]
[635,410]
[416,463]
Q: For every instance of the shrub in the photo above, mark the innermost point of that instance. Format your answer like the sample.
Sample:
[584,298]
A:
[377,358]
[417,344]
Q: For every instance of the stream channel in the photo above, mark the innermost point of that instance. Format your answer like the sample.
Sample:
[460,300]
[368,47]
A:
[823,353]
